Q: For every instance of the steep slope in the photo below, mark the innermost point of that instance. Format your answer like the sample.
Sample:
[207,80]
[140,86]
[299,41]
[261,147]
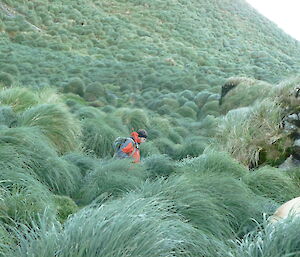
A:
[137,44]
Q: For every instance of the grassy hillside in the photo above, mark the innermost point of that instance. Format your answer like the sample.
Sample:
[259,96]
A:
[215,85]
[136,45]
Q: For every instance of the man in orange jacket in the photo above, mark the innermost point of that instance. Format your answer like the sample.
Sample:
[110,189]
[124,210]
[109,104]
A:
[130,148]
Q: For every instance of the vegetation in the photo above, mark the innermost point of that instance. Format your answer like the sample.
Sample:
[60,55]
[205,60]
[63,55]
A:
[215,85]
[56,123]
[269,240]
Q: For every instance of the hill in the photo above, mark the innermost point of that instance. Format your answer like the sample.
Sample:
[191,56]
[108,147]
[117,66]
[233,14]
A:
[136,45]
[213,82]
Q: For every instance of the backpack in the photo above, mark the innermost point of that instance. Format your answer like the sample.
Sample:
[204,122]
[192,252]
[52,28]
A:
[119,141]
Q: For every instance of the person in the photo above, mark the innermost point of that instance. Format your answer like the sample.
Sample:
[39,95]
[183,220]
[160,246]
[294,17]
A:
[131,146]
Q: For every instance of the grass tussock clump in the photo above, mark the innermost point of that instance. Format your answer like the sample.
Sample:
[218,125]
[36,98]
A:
[57,123]
[240,205]
[240,92]
[273,240]
[210,108]
[23,147]
[287,93]
[7,240]
[7,116]
[98,137]
[23,198]
[159,165]
[6,79]
[134,118]
[49,95]
[18,98]
[272,183]
[62,177]
[191,147]
[148,149]
[65,207]
[213,162]
[194,204]
[85,162]
[111,178]
[216,204]
[132,225]
[247,133]
[29,149]
[166,146]
[89,112]
[75,86]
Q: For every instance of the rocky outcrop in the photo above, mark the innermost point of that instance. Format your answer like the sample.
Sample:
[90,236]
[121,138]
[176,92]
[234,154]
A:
[289,208]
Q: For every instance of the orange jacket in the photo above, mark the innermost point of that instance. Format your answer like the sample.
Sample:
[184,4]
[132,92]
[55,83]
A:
[132,149]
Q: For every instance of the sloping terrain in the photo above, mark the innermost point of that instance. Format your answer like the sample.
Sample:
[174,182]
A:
[208,80]
[136,45]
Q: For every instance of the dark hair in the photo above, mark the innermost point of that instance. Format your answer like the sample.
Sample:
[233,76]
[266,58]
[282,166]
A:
[142,133]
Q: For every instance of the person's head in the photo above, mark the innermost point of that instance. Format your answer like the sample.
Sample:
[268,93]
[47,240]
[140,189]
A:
[142,134]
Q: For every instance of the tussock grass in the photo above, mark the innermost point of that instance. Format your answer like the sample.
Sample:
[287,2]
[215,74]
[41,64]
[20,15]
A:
[210,108]
[93,91]
[166,146]
[247,132]
[7,240]
[7,116]
[134,119]
[84,161]
[201,98]
[147,149]
[175,137]
[240,205]
[191,147]
[75,86]
[287,93]
[65,207]
[187,112]
[111,178]
[217,204]
[159,165]
[294,173]
[207,127]
[131,226]
[98,137]
[243,92]
[6,79]
[274,240]
[116,122]
[272,183]
[62,177]
[21,146]
[18,98]
[196,205]
[89,112]
[57,123]
[27,148]
[73,101]
[160,128]
[40,239]
[23,198]
[49,95]
[213,162]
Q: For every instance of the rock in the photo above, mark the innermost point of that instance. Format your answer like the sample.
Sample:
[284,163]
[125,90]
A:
[290,163]
[291,207]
